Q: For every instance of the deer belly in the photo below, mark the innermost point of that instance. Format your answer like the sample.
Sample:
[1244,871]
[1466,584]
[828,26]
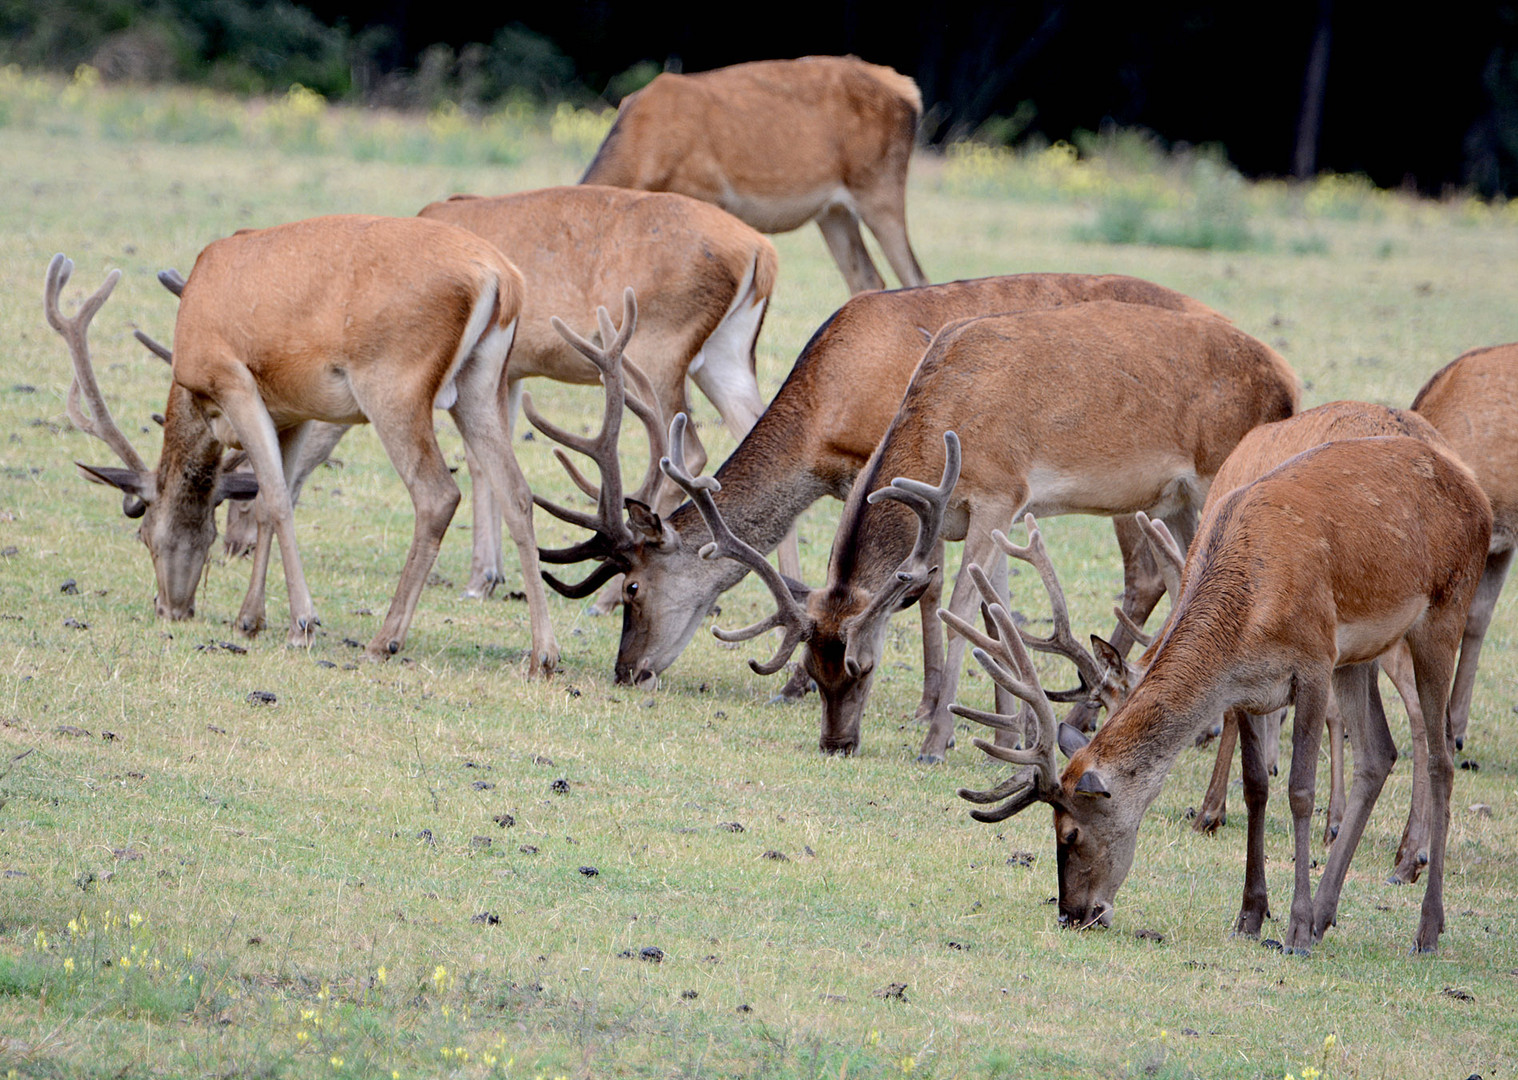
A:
[1365,639]
[782,211]
[1110,491]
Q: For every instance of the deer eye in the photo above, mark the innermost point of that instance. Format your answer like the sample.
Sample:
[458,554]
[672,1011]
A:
[1071,837]
[632,589]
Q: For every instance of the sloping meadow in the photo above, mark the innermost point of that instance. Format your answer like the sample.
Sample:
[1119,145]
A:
[223,857]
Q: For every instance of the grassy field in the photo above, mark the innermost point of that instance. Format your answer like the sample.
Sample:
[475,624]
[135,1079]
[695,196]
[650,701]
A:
[435,867]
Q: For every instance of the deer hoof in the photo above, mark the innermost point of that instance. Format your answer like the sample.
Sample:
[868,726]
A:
[926,758]
[1207,822]
[250,625]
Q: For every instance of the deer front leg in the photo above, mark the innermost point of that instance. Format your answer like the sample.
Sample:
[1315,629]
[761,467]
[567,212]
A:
[840,228]
[933,645]
[1333,722]
[1252,732]
[1306,734]
[1412,850]
[1214,809]
[979,549]
[1365,722]
[245,411]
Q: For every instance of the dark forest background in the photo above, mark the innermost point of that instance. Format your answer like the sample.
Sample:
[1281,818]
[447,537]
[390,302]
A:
[1424,96]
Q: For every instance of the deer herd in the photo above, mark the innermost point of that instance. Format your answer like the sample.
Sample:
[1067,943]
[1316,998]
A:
[1302,551]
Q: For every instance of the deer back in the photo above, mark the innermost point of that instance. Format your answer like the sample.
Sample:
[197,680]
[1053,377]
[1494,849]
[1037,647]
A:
[770,131]
[303,308]
[1473,401]
[579,247]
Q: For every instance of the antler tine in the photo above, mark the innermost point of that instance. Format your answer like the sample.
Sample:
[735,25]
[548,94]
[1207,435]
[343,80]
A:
[789,615]
[612,533]
[1134,629]
[576,475]
[928,501]
[161,351]
[75,332]
[172,280]
[1062,642]
[1167,552]
[1007,661]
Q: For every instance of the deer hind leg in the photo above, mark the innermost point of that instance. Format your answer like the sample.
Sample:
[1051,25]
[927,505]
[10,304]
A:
[1312,693]
[1253,732]
[486,570]
[1433,648]
[964,601]
[724,371]
[1213,812]
[1412,850]
[245,411]
[884,210]
[1482,606]
[840,228]
[1365,721]
[479,422]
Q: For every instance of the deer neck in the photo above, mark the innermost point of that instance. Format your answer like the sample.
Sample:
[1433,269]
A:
[1187,686]
[767,483]
[190,463]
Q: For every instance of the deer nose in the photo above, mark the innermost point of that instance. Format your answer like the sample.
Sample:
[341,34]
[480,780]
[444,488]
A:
[645,676]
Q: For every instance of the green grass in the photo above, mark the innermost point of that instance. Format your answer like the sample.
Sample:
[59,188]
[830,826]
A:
[278,858]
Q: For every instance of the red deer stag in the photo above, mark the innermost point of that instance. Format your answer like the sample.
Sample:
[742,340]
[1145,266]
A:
[1256,454]
[811,442]
[779,143]
[338,319]
[703,279]
[1096,408]
[1294,585]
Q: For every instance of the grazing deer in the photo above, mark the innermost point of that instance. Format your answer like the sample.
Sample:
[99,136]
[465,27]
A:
[811,442]
[703,279]
[1473,401]
[1261,450]
[1294,585]
[337,319]
[1097,408]
[779,143]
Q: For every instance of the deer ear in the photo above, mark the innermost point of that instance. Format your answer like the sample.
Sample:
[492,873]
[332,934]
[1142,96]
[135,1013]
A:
[1091,784]
[649,525]
[236,485]
[1070,740]
[142,485]
[1111,661]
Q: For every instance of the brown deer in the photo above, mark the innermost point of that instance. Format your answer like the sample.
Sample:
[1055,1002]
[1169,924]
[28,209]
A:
[812,442]
[703,279]
[338,319]
[1098,408]
[779,143]
[1473,401]
[1104,674]
[1295,584]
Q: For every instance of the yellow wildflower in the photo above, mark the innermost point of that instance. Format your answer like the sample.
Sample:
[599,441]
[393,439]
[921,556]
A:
[68,965]
[380,974]
[1329,1040]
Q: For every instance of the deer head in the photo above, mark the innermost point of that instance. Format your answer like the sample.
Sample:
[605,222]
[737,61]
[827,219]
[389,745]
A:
[176,502]
[842,626]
